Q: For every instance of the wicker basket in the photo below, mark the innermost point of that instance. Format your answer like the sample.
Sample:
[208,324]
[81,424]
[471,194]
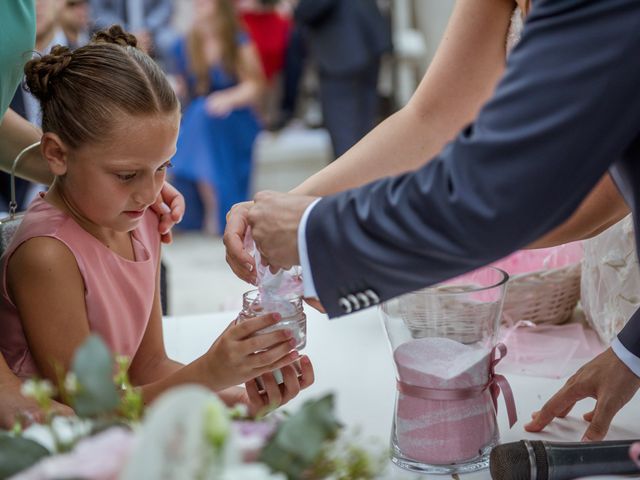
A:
[548,296]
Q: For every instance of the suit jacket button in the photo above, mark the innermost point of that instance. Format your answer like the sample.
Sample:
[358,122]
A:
[373,296]
[345,305]
[364,300]
[354,301]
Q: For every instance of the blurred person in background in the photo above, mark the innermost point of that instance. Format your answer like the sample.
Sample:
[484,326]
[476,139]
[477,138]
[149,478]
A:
[75,20]
[219,76]
[269,29]
[48,34]
[347,40]
[149,20]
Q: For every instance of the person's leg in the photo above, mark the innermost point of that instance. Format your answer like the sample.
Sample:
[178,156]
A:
[369,98]
[295,57]
[340,110]
[210,207]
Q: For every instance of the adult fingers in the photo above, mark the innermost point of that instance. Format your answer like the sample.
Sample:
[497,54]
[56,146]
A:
[588,416]
[561,401]
[174,200]
[242,264]
[602,416]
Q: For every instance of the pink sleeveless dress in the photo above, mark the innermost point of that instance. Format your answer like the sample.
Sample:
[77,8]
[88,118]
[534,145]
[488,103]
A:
[118,292]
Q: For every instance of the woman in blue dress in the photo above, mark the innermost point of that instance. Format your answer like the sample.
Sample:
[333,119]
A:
[218,70]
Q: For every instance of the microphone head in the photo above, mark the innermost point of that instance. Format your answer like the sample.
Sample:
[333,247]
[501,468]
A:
[510,461]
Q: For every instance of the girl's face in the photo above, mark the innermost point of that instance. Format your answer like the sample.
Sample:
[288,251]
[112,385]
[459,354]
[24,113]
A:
[112,184]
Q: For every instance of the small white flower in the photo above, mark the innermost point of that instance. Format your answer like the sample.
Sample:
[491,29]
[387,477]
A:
[71,383]
[37,389]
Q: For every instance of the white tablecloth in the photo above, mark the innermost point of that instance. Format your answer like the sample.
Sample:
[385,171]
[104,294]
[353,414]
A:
[352,358]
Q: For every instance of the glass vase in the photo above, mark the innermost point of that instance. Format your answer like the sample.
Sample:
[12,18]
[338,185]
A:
[443,341]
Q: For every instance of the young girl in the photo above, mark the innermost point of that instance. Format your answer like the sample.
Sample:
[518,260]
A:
[221,76]
[86,257]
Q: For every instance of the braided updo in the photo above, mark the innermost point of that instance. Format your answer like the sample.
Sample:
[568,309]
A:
[82,91]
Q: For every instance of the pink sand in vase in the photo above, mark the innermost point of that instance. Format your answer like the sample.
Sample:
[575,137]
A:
[442,432]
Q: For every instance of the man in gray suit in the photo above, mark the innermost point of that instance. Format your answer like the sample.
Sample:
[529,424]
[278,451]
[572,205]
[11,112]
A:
[347,39]
[566,111]
[149,20]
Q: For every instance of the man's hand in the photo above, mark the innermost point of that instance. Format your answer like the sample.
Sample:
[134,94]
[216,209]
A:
[604,378]
[274,220]
[169,207]
[238,259]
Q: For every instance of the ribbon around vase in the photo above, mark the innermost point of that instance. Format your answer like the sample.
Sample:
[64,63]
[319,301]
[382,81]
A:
[496,384]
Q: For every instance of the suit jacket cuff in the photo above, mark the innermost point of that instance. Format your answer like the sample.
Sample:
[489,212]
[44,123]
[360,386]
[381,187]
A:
[625,356]
[307,276]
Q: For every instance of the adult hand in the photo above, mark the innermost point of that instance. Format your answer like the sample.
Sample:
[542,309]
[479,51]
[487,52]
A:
[219,104]
[169,206]
[275,395]
[605,378]
[15,407]
[238,259]
[274,219]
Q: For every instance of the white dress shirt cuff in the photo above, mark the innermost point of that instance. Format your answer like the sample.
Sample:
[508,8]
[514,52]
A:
[625,356]
[307,276]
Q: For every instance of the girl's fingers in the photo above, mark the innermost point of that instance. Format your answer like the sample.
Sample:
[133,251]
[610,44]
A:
[277,357]
[265,341]
[248,327]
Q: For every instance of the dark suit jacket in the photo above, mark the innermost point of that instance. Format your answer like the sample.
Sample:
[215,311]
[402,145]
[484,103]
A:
[566,110]
[345,36]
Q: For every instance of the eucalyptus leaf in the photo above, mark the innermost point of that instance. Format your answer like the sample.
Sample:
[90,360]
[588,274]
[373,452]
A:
[18,453]
[300,439]
[93,366]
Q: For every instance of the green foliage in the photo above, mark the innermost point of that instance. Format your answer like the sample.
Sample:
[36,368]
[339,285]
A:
[300,439]
[18,453]
[93,367]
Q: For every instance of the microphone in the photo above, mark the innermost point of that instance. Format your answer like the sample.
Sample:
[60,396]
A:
[541,460]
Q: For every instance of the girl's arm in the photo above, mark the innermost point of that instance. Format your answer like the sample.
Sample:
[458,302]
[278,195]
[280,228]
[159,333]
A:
[250,87]
[16,133]
[461,77]
[46,286]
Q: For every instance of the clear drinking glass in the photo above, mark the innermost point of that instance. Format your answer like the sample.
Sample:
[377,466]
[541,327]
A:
[442,340]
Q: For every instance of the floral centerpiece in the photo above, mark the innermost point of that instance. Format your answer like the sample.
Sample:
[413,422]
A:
[188,433]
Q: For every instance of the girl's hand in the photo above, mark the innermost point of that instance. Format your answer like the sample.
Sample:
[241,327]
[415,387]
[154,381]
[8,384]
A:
[275,395]
[219,104]
[240,353]
[169,207]
[15,407]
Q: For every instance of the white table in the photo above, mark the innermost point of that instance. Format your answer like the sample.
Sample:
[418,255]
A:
[352,358]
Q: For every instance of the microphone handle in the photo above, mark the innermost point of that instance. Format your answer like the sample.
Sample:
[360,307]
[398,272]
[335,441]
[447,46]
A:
[571,460]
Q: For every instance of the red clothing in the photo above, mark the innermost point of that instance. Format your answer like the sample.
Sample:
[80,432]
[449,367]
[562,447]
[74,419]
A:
[269,32]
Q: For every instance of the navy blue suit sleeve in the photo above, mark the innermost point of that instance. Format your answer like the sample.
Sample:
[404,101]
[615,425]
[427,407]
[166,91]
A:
[567,107]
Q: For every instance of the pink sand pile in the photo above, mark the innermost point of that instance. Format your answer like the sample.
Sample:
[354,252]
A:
[443,431]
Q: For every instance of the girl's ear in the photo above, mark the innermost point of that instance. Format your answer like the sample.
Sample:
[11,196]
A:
[55,153]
